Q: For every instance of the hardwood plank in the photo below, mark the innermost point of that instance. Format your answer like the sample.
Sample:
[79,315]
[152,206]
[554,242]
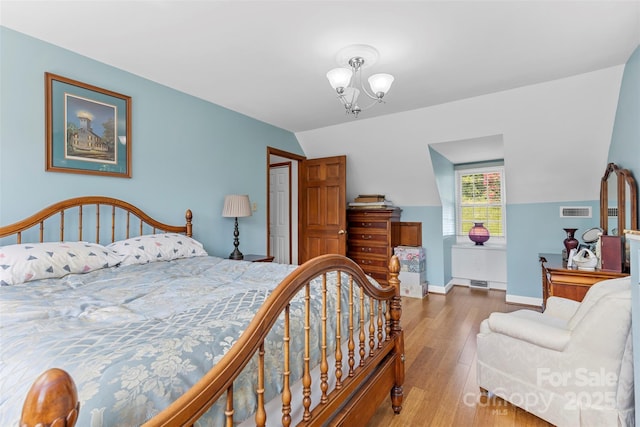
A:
[440,348]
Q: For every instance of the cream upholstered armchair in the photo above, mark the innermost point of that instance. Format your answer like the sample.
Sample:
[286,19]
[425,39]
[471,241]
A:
[571,365]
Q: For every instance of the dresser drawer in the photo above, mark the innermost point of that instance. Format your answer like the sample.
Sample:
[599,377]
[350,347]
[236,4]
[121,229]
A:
[368,224]
[361,248]
[368,262]
[380,276]
[367,238]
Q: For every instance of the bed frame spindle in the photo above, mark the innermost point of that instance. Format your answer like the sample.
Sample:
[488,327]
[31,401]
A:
[324,366]
[361,336]
[286,390]
[380,324]
[229,410]
[306,377]
[61,227]
[261,414]
[372,327]
[80,223]
[338,373]
[350,344]
[113,224]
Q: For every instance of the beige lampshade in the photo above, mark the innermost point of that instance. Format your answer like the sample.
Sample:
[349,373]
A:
[236,205]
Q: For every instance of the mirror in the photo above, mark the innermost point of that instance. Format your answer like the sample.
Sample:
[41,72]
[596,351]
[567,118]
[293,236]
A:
[618,201]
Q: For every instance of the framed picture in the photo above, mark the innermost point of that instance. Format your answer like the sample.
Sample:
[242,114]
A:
[88,129]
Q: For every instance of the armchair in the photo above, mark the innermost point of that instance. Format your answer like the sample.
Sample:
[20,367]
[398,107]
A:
[571,365]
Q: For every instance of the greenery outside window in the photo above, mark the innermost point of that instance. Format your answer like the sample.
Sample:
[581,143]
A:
[480,198]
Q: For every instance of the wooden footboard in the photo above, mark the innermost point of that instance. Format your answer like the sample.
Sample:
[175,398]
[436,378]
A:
[354,375]
[380,346]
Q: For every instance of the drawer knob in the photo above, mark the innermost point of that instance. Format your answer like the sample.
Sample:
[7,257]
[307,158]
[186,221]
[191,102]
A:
[367,237]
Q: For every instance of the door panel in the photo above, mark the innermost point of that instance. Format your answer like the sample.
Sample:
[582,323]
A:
[280,221]
[323,201]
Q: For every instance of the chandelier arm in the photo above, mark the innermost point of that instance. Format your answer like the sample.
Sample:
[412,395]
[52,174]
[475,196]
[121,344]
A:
[366,92]
[358,80]
[377,101]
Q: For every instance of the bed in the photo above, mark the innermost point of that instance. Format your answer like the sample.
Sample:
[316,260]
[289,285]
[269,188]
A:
[140,326]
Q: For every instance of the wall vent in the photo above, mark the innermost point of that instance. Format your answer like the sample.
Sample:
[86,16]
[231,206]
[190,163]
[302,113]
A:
[478,284]
[575,211]
[612,212]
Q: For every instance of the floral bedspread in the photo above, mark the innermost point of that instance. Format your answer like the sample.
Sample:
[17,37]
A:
[134,338]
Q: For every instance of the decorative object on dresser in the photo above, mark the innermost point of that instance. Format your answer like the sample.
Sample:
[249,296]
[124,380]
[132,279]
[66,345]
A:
[370,201]
[235,206]
[372,235]
[570,242]
[611,253]
[585,260]
[478,233]
[568,282]
[591,237]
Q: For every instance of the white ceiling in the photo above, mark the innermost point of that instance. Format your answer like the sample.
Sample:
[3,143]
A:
[268,59]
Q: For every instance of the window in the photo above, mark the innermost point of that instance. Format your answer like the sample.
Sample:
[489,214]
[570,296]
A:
[480,198]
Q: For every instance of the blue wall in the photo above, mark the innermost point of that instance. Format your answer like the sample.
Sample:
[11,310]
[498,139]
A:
[625,140]
[537,228]
[186,152]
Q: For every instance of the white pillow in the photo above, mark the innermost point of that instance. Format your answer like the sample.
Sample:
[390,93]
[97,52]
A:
[24,262]
[156,247]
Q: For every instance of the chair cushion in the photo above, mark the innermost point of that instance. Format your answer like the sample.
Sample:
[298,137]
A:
[595,293]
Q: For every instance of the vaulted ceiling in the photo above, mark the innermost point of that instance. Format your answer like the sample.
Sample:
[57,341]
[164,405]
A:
[268,59]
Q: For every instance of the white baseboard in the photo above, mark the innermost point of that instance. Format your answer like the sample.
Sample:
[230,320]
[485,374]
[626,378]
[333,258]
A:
[433,289]
[517,299]
[467,282]
[513,299]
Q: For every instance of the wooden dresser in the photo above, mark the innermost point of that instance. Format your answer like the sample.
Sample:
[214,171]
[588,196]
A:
[372,235]
[571,283]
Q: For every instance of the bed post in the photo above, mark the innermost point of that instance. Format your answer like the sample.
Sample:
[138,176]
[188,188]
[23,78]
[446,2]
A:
[398,334]
[52,400]
[189,216]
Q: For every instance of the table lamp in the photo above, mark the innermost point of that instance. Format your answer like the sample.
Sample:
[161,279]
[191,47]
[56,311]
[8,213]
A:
[236,205]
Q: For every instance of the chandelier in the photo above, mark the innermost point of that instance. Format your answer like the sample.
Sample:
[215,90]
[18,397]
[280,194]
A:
[347,80]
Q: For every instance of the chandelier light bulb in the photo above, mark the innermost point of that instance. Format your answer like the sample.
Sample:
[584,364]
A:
[380,84]
[339,78]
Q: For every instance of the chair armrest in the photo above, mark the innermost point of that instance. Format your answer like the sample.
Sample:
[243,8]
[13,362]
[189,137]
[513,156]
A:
[562,308]
[530,331]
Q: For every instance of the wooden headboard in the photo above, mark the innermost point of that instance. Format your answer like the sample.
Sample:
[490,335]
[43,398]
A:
[119,219]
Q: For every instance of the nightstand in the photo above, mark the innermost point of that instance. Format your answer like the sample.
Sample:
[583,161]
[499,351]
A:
[257,258]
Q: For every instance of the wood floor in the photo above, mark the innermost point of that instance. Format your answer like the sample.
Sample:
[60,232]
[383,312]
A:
[440,379]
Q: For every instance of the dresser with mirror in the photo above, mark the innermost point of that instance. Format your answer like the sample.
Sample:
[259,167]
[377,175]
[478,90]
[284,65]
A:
[618,212]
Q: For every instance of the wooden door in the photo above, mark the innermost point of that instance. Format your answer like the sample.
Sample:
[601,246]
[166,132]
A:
[323,214]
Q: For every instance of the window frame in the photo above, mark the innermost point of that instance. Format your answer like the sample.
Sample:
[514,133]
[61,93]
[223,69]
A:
[461,170]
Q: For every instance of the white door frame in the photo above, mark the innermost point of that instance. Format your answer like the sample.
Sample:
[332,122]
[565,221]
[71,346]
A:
[275,156]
